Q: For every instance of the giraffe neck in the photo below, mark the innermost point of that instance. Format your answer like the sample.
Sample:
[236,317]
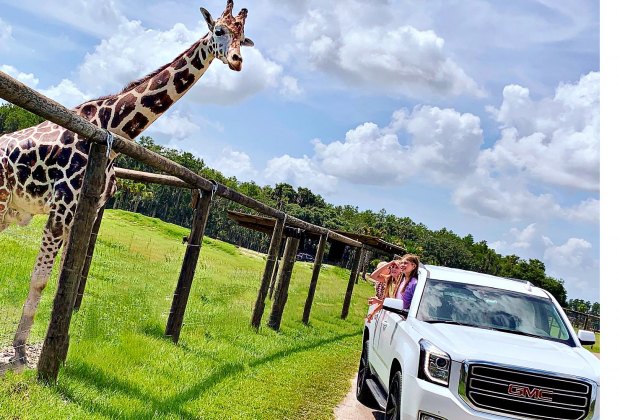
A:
[133,110]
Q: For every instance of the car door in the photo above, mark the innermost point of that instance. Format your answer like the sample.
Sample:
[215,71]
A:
[385,333]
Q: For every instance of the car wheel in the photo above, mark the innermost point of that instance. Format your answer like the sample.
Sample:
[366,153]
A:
[363,393]
[392,408]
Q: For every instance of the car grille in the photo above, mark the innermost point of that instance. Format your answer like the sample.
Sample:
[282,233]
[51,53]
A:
[529,394]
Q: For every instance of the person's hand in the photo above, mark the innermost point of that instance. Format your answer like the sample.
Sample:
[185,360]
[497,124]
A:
[374,300]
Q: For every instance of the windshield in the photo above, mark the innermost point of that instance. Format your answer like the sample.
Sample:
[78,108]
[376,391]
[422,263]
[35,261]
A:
[487,307]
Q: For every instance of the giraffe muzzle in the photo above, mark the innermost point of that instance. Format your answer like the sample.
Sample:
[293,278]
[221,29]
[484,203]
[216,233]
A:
[234,61]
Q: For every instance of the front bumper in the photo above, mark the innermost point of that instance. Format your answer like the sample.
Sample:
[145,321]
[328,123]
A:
[419,395]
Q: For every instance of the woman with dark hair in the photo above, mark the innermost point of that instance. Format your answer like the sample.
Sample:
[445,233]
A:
[409,264]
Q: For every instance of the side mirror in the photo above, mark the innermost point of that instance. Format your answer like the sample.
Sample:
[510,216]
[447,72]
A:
[586,338]
[394,305]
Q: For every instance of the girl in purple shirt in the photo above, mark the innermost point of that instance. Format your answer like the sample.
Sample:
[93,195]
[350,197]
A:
[409,266]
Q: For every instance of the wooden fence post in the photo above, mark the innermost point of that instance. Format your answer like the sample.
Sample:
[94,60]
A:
[272,258]
[361,263]
[274,277]
[89,258]
[56,342]
[288,260]
[354,273]
[188,269]
[318,260]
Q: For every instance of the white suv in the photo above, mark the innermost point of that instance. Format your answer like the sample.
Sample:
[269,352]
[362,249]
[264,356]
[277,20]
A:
[475,346]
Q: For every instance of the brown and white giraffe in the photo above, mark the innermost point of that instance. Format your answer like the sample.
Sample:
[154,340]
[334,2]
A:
[42,167]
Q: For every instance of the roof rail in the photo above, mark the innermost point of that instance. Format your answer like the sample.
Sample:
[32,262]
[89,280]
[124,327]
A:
[528,285]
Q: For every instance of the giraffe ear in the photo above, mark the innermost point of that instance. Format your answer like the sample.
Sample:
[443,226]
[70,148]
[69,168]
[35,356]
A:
[247,42]
[208,18]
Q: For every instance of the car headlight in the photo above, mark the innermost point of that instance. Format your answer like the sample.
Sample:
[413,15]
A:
[434,364]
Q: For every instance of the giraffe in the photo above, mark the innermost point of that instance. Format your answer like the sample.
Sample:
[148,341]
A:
[42,167]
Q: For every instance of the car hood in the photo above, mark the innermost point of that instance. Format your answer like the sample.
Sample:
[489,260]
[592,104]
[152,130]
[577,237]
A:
[470,343]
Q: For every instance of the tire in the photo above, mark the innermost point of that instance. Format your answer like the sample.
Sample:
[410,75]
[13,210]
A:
[362,392]
[392,408]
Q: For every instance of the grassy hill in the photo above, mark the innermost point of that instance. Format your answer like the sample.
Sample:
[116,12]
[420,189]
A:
[120,366]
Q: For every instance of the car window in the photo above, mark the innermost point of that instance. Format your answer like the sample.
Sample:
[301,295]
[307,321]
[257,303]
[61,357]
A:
[491,308]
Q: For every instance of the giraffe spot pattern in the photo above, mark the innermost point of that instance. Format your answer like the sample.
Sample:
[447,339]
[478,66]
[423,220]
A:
[63,157]
[39,174]
[141,88]
[36,190]
[67,138]
[125,106]
[104,116]
[78,161]
[157,102]
[197,62]
[135,125]
[76,182]
[82,146]
[160,80]
[183,80]
[89,111]
[180,64]
[54,174]
[28,159]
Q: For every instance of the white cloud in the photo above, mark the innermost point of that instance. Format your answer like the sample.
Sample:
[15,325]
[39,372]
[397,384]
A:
[438,145]
[289,87]
[28,79]
[94,18]
[222,86]
[544,144]
[366,52]
[234,163]
[445,143]
[586,211]
[502,198]
[6,35]
[368,155]
[66,93]
[175,126]
[299,172]
[134,51]
[555,140]
[524,237]
[573,261]
[570,254]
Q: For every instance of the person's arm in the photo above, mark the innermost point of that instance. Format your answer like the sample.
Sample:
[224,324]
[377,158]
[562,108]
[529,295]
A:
[376,275]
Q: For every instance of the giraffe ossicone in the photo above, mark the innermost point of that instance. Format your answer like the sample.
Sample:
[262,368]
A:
[42,167]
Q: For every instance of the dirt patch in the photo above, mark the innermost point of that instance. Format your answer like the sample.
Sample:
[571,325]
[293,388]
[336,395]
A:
[33,352]
[351,409]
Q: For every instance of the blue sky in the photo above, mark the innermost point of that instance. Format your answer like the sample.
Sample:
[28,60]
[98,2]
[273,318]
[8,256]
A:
[478,116]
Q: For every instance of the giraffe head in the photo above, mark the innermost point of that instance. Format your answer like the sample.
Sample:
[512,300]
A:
[228,36]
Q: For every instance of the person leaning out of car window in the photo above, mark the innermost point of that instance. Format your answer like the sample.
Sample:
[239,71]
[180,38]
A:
[385,277]
[409,264]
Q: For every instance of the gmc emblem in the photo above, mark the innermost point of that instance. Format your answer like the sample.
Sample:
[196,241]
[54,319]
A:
[531,393]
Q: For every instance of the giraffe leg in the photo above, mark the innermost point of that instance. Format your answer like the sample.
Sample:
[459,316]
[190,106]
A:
[53,236]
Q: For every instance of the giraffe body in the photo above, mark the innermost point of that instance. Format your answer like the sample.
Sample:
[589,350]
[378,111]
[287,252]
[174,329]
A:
[42,167]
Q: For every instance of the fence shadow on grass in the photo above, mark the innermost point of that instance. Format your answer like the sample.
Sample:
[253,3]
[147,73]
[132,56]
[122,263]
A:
[102,381]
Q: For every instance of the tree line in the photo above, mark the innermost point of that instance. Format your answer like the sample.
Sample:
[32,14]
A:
[439,247]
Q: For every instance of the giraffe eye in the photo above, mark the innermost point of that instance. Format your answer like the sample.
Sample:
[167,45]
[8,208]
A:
[219,32]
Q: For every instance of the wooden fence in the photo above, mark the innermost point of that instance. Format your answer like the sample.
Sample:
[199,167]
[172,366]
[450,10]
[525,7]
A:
[83,234]
[584,321]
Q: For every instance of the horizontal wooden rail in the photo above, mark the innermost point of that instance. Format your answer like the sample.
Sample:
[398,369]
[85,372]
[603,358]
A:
[244,200]
[140,176]
[31,100]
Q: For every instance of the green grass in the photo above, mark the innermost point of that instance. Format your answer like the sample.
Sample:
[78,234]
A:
[119,364]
